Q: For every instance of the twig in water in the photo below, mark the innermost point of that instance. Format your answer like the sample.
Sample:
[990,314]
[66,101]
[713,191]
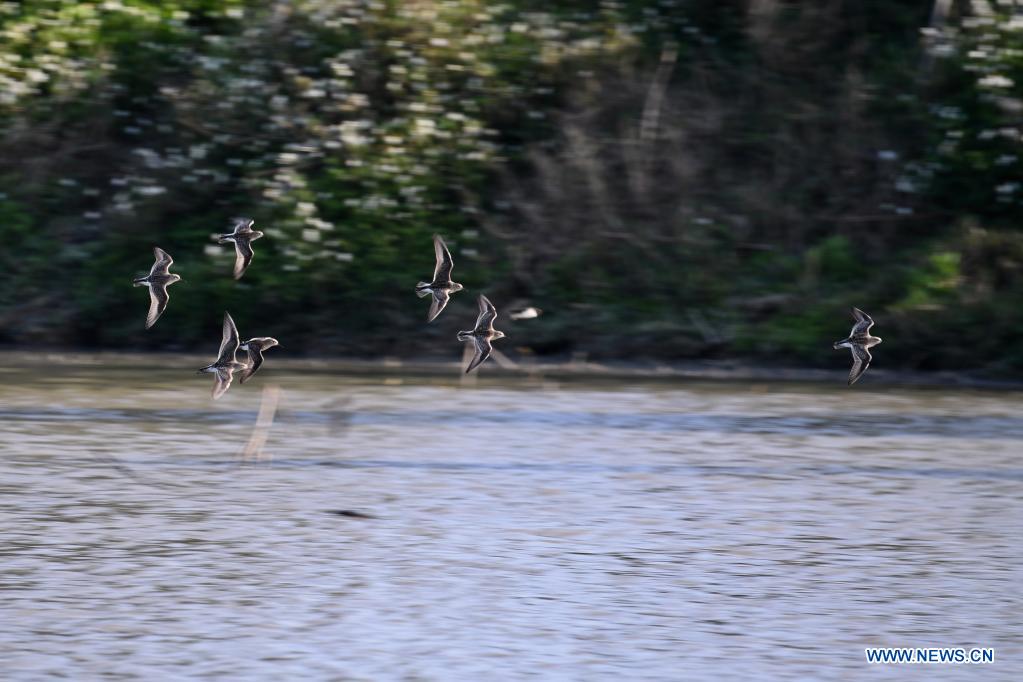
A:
[264,420]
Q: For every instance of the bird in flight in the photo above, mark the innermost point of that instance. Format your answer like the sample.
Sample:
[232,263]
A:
[529,313]
[158,279]
[243,236]
[859,342]
[226,363]
[441,287]
[482,334]
[254,348]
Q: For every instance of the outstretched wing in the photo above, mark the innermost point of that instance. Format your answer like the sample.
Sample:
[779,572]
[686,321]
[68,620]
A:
[440,300]
[488,313]
[442,272]
[863,323]
[163,262]
[158,298]
[255,361]
[483,349]
[222,382]
[244,226]
[242,256]
[228,342]
[861,361]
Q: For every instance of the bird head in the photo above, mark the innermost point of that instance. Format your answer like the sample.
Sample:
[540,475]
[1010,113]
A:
[455,286]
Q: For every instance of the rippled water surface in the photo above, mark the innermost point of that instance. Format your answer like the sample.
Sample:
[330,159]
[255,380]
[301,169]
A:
[587,531]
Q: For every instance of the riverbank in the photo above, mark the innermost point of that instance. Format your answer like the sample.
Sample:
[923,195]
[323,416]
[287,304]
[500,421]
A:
[558,370]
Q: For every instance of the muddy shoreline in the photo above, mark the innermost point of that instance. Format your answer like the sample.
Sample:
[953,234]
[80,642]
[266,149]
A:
[567,369]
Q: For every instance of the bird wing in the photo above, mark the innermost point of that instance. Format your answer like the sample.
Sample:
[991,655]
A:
[222,381]
[243,226]
[255,361]
[158,298]
[483,349]
[228,342]
[488,313]
[440,300]
[861,361]
[863,323]
[242,256]
[442,272]
[163,262]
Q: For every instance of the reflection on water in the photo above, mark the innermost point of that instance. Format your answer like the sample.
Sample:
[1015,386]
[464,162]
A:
[590,531]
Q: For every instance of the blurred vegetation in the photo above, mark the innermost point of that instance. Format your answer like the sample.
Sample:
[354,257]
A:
[668,179]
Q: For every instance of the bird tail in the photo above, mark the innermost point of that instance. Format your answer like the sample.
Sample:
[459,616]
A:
[464,336]
[138,281]
[222,239]
[841,344]
[422,289]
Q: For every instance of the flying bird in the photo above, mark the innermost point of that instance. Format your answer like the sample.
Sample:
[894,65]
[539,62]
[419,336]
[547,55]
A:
[441,287]
[859,341]
[227,362]
[526,313]
[243,236]
[158,279]
[482,334]
[254,348]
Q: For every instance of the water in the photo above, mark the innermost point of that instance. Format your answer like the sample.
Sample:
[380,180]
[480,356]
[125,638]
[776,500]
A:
[526,530]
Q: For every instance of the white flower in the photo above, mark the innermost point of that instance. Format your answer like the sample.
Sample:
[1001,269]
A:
[995,81]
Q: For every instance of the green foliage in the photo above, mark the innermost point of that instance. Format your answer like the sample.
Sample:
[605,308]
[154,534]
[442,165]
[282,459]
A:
[934,283]
[350,131]
[800,159]
[975,164]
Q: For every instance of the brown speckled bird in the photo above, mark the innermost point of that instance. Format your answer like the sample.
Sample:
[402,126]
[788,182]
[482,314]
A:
[859,341]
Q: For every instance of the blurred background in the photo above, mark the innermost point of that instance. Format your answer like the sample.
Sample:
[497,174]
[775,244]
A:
[689,189]
[668,179]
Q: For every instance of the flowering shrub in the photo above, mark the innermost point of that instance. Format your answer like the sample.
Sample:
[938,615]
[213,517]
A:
[671,178]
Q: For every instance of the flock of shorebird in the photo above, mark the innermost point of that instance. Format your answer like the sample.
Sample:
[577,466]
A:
[226,364]
[223,368]
[439,289]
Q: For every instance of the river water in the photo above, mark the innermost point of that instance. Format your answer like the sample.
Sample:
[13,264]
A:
[430,530]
